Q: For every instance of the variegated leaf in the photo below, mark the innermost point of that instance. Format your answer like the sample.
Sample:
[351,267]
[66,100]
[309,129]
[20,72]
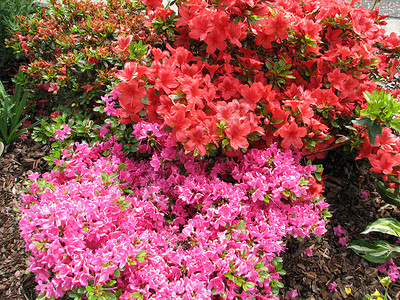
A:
[384,225]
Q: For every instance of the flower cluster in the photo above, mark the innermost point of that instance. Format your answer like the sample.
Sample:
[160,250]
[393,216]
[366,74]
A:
[237,73]
[167,225]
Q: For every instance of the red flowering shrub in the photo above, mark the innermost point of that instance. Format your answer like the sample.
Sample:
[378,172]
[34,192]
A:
[68,48]
[237,74]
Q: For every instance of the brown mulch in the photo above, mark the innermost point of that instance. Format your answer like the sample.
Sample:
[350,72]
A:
[344,179]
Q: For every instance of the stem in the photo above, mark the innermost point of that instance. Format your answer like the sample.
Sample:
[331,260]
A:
[329,148]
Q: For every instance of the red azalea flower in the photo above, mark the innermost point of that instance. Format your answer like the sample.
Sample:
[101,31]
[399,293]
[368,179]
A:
[130,96]
[123,43]
[237,131]
[383,162]
[291,134]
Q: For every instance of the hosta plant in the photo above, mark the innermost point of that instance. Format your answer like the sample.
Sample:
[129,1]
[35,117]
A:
[378,251]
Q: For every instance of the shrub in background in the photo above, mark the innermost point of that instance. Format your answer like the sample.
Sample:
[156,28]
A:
[9,9]
[68,48]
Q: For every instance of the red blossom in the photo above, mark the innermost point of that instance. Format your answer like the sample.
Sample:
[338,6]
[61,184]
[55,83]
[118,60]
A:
[291,134]
[383,162]
[123,43]
[197,140]
[131,95]
[237,131]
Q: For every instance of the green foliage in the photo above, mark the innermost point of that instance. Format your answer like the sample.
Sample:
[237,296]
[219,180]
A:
[387,195]
[8,10]
[68,50]
[11,110]
[279,72]
[382,109]
[378,251]
[83,129]
[97,292]
[137,50]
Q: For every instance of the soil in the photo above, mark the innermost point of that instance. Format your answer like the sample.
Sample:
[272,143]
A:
[309,275]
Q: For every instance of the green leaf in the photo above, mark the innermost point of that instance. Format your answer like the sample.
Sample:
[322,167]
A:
[386,195]
[111,296]
[241,224]
[229,276]
[137,295]
[374,130]
[374,251]
[384,225]
[75,296]
[363,122]
[117,273]
[141,256]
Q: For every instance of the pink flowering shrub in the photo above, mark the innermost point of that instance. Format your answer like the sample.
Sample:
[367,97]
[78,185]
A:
[167,225]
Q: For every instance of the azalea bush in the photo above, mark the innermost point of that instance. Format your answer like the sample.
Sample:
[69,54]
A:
[167,225]
[68,49]
[237,75]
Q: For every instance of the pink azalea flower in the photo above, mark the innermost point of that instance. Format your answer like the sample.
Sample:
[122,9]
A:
[308,252]
[293,294]
[61,134]
[164,216]
[216,284]
[332,286]
[338,231]
[342,241]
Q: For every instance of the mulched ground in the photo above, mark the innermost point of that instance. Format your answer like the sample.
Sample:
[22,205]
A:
[344,179]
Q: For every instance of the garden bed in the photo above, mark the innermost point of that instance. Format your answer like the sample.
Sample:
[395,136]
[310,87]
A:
[308,275]
[181,144]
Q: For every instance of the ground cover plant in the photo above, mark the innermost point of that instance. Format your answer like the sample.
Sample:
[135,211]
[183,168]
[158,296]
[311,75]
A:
[222,111]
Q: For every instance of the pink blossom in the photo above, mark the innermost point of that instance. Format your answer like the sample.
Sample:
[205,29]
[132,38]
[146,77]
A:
[53,87]
[217,284]
[365,195]
[391,269]
[338,231]
[308,252]
[293,294]
[393,272]
[342,241]
[61,134]
[381,268]
[332,286]
[24,136]
[103,131]
[163,219]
